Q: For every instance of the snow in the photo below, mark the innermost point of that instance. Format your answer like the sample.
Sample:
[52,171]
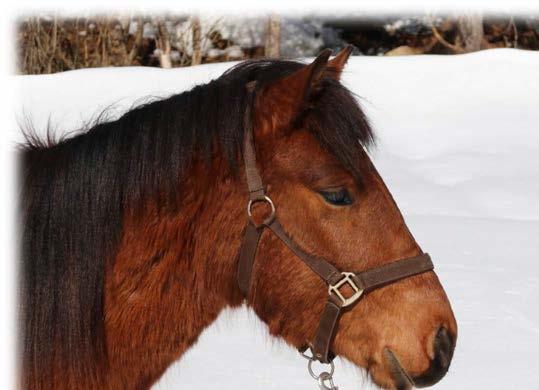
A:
[458,146]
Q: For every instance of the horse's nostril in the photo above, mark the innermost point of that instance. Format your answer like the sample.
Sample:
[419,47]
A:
[444,345]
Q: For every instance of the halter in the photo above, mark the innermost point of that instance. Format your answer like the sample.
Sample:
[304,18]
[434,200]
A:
[359,282]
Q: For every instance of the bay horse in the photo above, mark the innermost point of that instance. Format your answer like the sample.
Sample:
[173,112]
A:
[132,229]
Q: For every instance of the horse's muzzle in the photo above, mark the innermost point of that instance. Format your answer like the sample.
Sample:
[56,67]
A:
[444,345]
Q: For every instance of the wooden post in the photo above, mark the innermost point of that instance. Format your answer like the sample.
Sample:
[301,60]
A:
[273,37]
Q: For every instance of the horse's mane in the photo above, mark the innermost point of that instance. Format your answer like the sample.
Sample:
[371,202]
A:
[75,193]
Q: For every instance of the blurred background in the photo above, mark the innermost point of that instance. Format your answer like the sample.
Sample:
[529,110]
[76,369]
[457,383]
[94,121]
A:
[50,42]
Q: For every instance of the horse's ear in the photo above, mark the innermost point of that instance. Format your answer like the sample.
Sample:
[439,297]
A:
[285,98]
[337,63]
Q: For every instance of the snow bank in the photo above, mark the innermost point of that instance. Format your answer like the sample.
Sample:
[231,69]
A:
[458,145]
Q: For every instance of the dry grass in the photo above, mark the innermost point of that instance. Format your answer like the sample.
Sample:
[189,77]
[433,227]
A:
[52,44]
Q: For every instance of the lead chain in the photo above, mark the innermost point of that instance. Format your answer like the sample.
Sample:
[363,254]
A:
[324,379]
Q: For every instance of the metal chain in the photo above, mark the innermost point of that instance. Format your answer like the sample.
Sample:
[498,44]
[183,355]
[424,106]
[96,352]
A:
[324,379]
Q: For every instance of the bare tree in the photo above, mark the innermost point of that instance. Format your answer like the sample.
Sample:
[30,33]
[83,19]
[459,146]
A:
[197,52]
[163,44]
[137,43]
[470,34]
[273,37]
[54,44]
[470,28]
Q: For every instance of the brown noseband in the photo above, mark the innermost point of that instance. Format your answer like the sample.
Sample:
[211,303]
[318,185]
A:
[360,282]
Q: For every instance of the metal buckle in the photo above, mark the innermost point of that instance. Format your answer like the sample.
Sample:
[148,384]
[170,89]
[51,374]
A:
[326,377]
[265,199]
[347,279]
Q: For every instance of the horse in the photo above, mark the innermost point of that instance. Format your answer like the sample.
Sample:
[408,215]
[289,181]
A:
[132,232]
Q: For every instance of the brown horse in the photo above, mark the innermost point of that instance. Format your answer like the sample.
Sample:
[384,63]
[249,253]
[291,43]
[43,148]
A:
[132,230]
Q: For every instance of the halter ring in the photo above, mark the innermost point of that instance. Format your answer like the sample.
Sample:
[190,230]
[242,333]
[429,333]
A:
[327,374]
[265,199]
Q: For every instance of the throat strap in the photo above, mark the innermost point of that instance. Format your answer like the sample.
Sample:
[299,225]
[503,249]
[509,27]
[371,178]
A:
[247,256]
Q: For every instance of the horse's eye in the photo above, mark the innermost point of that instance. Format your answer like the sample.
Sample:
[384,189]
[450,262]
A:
[337,198]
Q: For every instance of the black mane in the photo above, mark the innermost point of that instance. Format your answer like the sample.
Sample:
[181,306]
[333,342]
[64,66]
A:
[74,194]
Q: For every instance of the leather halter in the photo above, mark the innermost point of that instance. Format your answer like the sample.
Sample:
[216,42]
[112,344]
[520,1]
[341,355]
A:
[360,282]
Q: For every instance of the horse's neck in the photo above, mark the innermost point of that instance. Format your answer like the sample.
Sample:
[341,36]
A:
[171,277]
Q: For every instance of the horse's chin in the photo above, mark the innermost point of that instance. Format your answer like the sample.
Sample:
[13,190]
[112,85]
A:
[401,379]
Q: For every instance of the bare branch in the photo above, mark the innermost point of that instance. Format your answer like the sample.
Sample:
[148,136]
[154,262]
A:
[441,39]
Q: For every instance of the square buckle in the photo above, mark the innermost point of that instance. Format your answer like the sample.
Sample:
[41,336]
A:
[346,279]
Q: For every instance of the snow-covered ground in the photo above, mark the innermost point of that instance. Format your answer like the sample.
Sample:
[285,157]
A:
[458,145]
